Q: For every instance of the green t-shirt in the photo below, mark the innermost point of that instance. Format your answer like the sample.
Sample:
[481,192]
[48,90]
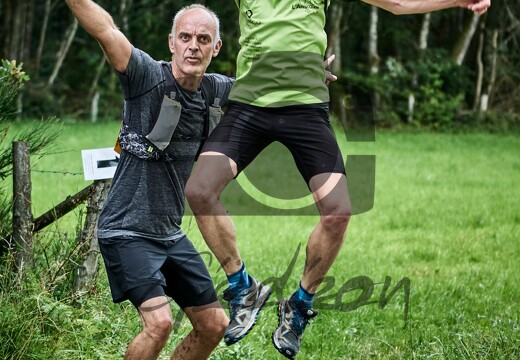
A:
[283,45]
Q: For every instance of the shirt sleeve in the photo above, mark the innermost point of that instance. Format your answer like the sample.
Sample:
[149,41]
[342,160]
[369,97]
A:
[221,87]
[141,75]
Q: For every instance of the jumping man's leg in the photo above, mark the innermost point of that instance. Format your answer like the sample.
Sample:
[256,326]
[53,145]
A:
[209,324]
[212,173]
[245,295]
[331,196]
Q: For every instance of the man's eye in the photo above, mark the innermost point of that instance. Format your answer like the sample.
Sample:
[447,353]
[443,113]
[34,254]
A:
[184,37]
[204,39]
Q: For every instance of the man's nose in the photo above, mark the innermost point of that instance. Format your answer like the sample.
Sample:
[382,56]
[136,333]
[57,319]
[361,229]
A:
[194,44]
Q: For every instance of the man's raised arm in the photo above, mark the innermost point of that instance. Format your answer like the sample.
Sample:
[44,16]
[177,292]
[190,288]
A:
[401,7]
[98,23]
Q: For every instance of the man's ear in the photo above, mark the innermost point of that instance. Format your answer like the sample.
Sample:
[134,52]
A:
[217,47]
[170,43]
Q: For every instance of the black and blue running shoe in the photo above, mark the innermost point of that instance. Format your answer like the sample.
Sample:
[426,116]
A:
[292,321]
[244,306]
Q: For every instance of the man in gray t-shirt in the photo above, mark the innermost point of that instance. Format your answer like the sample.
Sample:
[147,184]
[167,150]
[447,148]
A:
[147,255]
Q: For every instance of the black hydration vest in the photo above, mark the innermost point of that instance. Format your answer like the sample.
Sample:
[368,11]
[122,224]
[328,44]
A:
[152,146]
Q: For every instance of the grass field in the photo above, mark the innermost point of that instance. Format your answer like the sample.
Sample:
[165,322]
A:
[446,217]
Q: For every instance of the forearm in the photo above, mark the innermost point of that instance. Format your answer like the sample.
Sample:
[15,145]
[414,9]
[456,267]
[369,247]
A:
[401,7]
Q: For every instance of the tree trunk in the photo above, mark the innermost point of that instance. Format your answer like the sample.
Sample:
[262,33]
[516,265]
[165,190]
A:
[425,32]
[19,106]
[337,92]
[7,10]
[94,107]
[93,93]
[43,31]
[62,52]
[423,45]
[95,80]
[334,35]
[461,47]
[28,31]
[16,32]
[480,67]
[493,61]
[499,22]
[89,247]
[373,56]
[124,7]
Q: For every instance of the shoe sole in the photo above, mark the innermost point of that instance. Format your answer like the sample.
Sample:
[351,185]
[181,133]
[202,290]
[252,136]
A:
[264,292]
[281,351]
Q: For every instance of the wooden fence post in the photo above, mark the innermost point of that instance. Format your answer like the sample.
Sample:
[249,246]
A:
[89,247]
[22,213]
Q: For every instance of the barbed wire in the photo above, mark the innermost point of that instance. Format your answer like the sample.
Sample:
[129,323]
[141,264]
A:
[57,172]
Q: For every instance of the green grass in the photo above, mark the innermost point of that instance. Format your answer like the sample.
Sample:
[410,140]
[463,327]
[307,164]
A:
[446,216]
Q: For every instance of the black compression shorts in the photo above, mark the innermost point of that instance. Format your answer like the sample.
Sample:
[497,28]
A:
[305,130]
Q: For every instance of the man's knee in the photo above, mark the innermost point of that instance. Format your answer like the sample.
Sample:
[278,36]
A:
[336,218]
[160,330]
[336,221]
[157,325]
[198,192]
[210,176]
[212,329]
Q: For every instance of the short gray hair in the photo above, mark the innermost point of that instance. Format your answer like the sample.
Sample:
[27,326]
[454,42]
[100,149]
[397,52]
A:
[197,6]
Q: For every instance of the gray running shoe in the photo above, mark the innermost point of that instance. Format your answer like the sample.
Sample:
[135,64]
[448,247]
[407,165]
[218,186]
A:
[287,337]
[244,306]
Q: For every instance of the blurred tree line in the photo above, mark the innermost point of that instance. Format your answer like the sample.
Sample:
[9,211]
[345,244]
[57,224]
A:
[433,69]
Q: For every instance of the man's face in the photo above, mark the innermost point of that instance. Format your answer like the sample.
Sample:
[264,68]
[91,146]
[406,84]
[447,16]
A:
[194,44]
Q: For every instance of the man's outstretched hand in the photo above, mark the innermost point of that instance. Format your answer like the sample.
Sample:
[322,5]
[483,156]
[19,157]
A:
[479,7]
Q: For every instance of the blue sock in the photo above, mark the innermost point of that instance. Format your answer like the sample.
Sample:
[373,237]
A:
[240,278]
[304,297]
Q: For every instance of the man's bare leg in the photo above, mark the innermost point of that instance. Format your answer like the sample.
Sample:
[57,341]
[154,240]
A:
[245,295]
[212,173]
[157,323]
[331,195]
[209,324]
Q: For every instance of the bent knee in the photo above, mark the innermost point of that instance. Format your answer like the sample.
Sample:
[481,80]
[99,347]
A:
[159,329]
[197,193]
[213,329]
[339,210]
[337,220]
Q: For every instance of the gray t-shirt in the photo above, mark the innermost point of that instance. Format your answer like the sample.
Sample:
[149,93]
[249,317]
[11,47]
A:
[146,199]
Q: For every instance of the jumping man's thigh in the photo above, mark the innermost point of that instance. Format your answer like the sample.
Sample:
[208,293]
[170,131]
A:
[246,130]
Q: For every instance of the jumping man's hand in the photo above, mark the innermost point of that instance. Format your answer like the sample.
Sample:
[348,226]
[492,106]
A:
[479,7]
[329,77]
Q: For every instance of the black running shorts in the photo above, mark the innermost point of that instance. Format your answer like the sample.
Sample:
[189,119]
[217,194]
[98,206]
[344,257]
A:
[139,270]
[305,130]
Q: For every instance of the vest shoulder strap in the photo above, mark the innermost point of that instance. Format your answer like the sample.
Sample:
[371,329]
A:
[207,90]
